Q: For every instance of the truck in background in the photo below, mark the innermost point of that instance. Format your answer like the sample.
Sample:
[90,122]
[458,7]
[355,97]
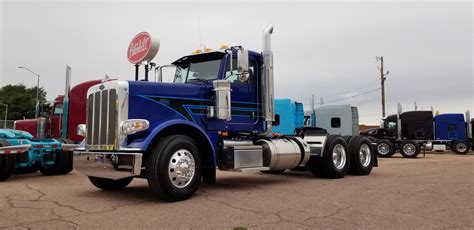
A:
[336,119]
[29,155]
[65,115]
[217,114]
[409,131]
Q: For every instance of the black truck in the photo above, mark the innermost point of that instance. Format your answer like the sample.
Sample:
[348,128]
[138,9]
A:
[411,131]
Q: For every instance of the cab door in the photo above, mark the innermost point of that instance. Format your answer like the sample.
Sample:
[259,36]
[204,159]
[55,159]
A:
[244,100]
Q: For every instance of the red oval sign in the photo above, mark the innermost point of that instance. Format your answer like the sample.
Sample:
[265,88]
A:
[141,48]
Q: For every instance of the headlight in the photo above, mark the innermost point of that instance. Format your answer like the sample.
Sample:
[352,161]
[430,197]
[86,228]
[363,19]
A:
[134,125]
[81,130]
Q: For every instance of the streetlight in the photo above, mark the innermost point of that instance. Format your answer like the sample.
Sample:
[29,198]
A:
[37,89]
[6,114]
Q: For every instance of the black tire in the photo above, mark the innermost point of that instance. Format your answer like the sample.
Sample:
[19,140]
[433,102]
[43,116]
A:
[26,170]
[325,166]
[161,166]
[61,164]
[460,147]
[69,163]
[274,171]
[409,149]
[384,148]
[362,156]
[7,165]
[109,184]
[347,139]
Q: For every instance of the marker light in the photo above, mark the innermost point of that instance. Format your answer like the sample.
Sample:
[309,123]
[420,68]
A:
[207,49]
[134,125]
[198,51]
[224,46]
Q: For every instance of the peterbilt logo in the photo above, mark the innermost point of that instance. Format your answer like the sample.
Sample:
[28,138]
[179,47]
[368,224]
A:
[142,48]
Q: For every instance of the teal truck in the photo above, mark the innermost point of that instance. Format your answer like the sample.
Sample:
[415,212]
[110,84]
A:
[21,153]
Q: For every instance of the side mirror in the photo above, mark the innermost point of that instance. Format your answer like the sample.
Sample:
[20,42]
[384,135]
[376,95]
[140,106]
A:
[243,64]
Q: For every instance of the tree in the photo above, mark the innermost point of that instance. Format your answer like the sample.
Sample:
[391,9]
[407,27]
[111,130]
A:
[21,101]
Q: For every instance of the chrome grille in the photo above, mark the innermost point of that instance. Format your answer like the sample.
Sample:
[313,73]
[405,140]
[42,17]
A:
[102,119]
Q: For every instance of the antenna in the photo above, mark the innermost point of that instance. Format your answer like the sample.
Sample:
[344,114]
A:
[199,31]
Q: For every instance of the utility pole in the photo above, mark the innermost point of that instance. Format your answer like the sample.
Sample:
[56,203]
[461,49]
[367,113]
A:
[383,77]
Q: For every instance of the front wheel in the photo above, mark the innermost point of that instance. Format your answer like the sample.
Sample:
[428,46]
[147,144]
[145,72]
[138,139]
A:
[335,160]
[384,148]
[174,168]
[409,149]
[461,147]
[109,184]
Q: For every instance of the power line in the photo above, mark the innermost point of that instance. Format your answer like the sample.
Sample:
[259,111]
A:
[349,97]
[345,98]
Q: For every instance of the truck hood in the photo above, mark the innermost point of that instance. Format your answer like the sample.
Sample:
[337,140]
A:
[370,132]
[15,134]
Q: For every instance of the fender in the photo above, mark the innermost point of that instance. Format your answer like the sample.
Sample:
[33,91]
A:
[156,131]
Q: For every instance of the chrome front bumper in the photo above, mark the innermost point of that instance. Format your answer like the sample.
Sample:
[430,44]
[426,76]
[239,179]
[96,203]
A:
[110,165]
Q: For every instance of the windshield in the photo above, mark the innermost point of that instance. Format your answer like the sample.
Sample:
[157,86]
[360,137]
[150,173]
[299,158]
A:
[196,68]
[201,71]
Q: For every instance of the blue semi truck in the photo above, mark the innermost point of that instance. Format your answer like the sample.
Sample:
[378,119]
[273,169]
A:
[410,132]
[217,114]
[21,153]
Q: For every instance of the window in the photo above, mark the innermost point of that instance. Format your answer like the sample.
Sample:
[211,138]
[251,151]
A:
[58,110]
[307,121]
[196,68]
[277,120]
[336,122]
[391,125]
[451,127]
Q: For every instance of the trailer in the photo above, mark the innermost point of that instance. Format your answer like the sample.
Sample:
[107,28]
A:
[217,114]
[410,132]
[21,153]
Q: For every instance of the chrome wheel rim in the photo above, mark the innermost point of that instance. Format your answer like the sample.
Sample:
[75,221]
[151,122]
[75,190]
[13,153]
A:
[339,156]
[383,149]
[181,168]
[409,149]
[461,147]
[365,155]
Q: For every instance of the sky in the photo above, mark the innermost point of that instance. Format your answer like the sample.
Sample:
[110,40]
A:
[321,48]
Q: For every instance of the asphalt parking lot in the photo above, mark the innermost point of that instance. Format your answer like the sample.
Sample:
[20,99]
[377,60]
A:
[424,193]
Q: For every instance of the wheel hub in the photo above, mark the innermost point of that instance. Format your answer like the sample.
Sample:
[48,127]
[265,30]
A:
[383,149]
[365,155]
[339,156]
[181,168]
[409,149]
[461,147]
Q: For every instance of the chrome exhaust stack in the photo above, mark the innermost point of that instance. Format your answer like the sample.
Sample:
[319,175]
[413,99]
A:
[267,79]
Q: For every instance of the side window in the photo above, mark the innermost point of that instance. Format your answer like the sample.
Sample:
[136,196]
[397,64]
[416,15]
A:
[391,125]
[232,76]
[335,122]
[277,120]
[58,109]
[451,127]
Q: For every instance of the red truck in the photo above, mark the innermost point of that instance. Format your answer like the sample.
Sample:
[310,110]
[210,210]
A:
[75,115]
